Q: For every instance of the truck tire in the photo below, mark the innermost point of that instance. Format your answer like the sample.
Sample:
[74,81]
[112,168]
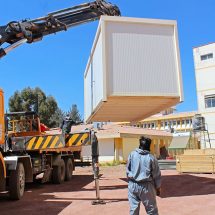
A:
[58,173]
[69,169]
[2,179]
[17,182]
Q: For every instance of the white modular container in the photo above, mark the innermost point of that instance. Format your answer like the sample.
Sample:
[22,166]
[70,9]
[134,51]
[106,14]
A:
[133,70]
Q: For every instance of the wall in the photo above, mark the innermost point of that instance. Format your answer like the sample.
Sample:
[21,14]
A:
[205,85]
[106,151]
[118,149]
[129,144]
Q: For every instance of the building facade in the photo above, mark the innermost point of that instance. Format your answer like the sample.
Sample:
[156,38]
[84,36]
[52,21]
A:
[179,124]
[204,60]
[117,141]
[175,122]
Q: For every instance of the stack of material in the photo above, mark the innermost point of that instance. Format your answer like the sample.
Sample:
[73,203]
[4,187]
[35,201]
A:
[133,70]
[196,161]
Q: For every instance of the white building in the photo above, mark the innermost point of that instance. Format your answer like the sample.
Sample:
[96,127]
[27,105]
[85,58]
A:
[204,60]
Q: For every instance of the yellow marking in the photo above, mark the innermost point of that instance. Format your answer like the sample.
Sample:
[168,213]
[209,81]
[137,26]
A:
[87,137]
[80,142]
[54,142]
[46,142]
[31,142]
[38,143]
[72,139]
[60,145]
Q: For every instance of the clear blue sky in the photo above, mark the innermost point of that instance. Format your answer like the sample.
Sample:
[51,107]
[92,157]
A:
[57,64]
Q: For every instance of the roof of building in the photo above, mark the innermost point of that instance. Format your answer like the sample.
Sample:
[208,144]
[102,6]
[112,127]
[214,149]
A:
[171,116]
[116,131]
[195,47]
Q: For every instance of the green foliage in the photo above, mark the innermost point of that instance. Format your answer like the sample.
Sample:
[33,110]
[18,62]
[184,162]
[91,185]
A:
[112,163]
[57,117]
[74,113]
[30,99]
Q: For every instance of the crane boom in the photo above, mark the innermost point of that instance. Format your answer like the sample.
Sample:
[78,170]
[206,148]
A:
[16,33]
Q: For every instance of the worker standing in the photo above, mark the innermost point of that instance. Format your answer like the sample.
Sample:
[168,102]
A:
[67,124]
[144,179]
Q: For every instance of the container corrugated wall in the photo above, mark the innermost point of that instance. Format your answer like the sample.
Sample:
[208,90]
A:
[143,65]
[133,59]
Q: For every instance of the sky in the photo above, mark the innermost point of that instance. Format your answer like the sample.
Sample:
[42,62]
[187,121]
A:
[57,63]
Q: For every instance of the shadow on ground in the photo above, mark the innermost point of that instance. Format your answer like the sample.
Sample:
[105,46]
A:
[186,185]
[36,196]
[41,199]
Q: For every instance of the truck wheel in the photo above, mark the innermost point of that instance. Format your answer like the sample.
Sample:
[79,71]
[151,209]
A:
[17,182]
[69,169]
[58,173]
[2,179]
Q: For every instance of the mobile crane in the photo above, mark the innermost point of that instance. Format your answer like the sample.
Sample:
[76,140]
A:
[17,33]
[25,151]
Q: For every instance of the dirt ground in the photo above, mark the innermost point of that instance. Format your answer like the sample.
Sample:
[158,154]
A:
[182,194]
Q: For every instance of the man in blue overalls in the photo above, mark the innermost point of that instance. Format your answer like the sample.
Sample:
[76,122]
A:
[144,178]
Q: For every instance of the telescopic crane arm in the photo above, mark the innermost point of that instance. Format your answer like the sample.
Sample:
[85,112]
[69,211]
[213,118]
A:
[16,33]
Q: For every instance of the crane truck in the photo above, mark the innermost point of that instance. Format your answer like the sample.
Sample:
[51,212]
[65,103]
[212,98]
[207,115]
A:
[26,151]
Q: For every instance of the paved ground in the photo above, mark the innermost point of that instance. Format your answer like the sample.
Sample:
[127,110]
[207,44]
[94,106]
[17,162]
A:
[181,195]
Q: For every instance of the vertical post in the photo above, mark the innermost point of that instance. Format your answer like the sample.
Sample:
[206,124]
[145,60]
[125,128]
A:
[204,140]
[209,139]
[158,148]
[95,165]
[208,135]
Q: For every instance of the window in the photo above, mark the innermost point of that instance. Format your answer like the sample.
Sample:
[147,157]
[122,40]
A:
[178,123]
[174,122]
[153,125]
[206,56]
[187,122]
[210,101]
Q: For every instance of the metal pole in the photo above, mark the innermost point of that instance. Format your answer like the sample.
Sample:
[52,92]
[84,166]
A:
[15,45]
[204,139]
[95,164]
[208,135]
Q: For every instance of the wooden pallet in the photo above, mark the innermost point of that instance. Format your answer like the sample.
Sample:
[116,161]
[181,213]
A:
[196,161]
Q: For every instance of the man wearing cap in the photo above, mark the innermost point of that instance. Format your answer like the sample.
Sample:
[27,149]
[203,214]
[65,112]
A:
[144,179]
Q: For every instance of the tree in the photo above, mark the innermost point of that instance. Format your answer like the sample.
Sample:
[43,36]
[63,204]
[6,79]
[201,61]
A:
[57,117]
[30,99]
[74,113]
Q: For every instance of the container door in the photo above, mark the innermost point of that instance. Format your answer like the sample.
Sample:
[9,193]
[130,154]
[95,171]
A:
[93,81]
[97,75]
